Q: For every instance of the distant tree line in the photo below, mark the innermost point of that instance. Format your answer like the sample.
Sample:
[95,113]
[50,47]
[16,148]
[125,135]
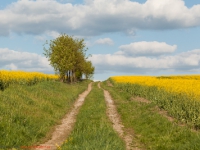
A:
[68,57]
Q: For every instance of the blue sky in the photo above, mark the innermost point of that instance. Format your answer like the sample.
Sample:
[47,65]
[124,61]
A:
[125,37]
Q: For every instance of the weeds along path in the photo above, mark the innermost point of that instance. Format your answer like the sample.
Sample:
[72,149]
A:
[63,130]
[116,121]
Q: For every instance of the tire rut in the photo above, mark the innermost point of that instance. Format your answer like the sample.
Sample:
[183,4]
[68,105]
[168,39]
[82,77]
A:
[63,130]
[116,121]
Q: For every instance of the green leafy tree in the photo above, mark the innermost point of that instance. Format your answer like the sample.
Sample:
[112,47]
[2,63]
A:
[68,57]
[88,69]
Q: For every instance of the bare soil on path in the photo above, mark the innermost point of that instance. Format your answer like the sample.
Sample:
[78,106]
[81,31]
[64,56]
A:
[116,121]
[63,130]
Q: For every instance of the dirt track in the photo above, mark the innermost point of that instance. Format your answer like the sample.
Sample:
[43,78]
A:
[116,121]
[63,130]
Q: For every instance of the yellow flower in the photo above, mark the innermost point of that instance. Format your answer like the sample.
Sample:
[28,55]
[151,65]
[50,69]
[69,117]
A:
[21,77]
[188,85]
[58,147]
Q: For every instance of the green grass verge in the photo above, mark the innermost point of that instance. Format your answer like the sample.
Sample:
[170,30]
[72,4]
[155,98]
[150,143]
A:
[180,106]
[151,129]
[93,130]
[28,113]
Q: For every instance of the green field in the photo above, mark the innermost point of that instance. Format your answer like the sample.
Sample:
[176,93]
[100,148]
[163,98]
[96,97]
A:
[28,115]
[152,130]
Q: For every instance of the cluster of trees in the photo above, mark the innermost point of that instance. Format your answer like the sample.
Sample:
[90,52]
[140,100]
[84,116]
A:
[68,57]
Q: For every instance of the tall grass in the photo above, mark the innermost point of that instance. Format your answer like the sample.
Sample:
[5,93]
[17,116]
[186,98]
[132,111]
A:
[28,113]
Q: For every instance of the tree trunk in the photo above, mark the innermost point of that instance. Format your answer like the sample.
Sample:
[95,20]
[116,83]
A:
[74,75]
[71,79]
[68,75]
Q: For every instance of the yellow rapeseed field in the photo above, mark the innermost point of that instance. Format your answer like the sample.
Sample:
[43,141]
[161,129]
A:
[21,77]
[187,84]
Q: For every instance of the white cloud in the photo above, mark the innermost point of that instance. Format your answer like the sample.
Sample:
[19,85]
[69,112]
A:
[104,41]
[12,66]
[14,60]
[96,17]
[146,48]
[44,37]
[53,34]
[185,61]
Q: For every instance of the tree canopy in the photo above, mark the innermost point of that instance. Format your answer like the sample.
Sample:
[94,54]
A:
[67,55]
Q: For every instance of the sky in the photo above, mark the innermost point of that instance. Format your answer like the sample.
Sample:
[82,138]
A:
[124,37]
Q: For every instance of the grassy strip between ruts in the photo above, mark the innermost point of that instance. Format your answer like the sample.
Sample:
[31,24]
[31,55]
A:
[93,130]
[29,113]
[151,129]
